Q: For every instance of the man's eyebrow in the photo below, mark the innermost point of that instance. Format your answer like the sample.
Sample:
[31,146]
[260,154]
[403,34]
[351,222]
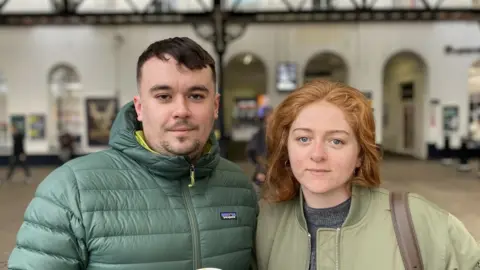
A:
[159,87]
[199,87]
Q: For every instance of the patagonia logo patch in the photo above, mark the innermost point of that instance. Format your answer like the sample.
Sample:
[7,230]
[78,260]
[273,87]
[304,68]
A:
[228,215]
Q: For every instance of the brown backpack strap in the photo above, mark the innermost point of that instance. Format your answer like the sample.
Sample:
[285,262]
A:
[406,237]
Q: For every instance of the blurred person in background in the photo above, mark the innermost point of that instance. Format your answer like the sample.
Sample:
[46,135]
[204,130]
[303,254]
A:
[323,207]
[161,197]
[18,156]
[257,150]
[67,147]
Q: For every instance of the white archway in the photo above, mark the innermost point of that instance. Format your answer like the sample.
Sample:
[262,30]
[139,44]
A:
[245,77]
[474,90]
[474,99]
[65,103]
[245,80]
[326,65]
[404,90]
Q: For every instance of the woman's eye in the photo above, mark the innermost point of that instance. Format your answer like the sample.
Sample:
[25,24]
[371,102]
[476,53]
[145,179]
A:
[337,142]
[303,139]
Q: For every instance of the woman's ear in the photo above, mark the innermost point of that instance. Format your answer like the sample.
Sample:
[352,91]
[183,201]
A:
[359,162]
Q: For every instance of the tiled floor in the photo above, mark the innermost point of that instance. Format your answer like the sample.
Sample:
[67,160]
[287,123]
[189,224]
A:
[457,192]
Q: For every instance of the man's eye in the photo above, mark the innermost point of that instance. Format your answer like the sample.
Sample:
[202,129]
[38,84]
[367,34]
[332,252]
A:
[196,97]
[163,97]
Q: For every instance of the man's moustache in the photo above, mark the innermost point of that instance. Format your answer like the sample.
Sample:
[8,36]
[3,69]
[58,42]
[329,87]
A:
[182,125]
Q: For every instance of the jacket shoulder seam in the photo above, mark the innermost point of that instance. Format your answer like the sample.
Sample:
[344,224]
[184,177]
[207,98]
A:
[429,204]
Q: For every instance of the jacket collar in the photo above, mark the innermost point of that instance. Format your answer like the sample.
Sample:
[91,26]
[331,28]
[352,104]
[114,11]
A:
[123,139]
[361,199]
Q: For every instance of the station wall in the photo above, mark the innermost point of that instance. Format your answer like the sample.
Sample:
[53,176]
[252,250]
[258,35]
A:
[28,54]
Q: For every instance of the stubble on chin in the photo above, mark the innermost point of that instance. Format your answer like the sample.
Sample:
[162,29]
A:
[193,153]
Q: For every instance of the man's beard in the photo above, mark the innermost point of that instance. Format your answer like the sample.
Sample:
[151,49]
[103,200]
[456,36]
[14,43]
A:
[195,147]
[192,151]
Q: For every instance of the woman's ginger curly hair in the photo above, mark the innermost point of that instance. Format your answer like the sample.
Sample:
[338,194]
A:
[280,184]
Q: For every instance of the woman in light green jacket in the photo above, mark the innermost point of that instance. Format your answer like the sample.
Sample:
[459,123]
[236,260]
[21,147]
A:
[323,208]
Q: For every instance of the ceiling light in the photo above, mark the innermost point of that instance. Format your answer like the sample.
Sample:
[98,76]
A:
[247,59]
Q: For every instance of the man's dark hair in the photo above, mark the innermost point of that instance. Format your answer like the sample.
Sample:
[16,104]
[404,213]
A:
[186,51]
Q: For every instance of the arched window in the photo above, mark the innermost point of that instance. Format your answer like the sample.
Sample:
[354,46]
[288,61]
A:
[404,87]
[474,92]
[326,65]
[65,103]
[245,82]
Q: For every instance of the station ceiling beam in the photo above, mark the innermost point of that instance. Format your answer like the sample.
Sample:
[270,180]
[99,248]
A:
[105,19]
[65,7]
[323,16]
[65,12]
[358,15]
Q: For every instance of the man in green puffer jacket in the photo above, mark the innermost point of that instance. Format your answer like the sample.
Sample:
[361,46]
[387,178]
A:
[161,197]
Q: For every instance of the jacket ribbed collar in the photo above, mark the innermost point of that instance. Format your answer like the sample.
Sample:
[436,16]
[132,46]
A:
[361,199]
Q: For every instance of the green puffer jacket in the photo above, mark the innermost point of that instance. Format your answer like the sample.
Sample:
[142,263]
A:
[128,208]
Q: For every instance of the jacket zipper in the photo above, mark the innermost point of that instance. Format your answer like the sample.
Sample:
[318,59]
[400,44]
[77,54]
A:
[337,250]
[309,251]
[192,176]
[192,220]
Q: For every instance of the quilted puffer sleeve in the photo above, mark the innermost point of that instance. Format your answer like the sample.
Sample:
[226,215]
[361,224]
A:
[52,236]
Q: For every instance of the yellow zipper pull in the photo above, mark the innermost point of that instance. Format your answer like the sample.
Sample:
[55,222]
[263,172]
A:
[192,176]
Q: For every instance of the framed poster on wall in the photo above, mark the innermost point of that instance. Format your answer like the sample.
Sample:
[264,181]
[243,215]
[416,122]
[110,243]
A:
[450,118]
[286,79]
[36,123]
[101,113]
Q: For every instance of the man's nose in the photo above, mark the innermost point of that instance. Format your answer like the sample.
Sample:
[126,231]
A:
[181,108]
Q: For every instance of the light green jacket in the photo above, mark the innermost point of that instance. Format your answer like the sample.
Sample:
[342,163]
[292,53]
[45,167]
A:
[366,241]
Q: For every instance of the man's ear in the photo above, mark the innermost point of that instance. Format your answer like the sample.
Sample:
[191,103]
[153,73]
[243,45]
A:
[138,107]
[217,105]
